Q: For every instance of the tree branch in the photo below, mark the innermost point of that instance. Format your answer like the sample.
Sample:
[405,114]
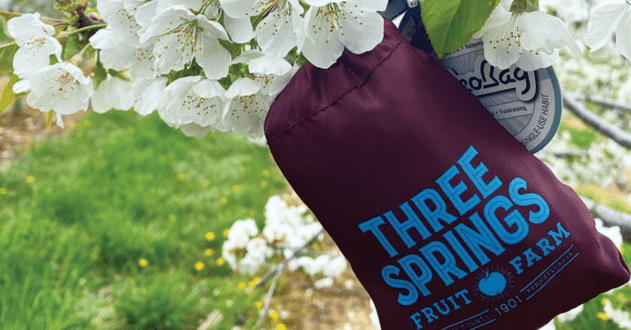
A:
[284,263]
[610,217]
[612,131]
[268,298]
[614,104]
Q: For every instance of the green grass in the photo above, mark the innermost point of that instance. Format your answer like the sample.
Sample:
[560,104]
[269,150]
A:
[582,138]
[79,212]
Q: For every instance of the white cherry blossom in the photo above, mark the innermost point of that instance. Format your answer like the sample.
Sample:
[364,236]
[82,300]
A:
[246,107]
[570,315]
[36,43]
[335,266]
[150,96]
[194,130]
[618,316]
[193,100]
[181,36]
[265,68]
[607,20]
[531,40]
[61,87]
[278,31]
[118,55]
[113,93]
[120,21]
[332,25]
[613,233]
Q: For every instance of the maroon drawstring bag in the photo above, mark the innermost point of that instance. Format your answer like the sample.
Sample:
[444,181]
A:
[445,218]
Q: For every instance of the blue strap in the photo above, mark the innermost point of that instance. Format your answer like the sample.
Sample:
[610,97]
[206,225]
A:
[394,9]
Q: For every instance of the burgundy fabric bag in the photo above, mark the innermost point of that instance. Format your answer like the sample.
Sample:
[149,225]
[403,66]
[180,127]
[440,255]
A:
[445,218]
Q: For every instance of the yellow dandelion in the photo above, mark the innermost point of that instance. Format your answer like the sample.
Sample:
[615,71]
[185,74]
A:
[603,316]
[622,249]
[235,188]
[273,315]
[181,176]
[223,201]
[263,183]
[220,261]
[265,173]
[280,326]
[205,183]
[30,179]
[209,252]
[209,236]
[143,262]
[258,304]
[172,217]
[254,281]
[603,301]
[3,191]
[199,266]
[241,169]
[226,232]
[242,285]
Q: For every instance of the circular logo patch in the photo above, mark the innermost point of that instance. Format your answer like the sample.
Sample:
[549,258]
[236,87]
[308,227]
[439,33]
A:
[527,104]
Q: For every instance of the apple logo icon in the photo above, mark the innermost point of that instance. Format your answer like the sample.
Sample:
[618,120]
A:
[492,284]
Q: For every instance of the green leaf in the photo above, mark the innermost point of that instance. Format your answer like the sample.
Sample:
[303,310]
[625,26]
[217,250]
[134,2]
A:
[8,96]
[450,24]
[6,57]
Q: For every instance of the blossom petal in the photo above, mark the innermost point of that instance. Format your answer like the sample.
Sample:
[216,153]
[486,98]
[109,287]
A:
[194,130]
[247,56]
[214,59]
[362,32]
[531,61]
[500,16]
[544,32]
[239,29]
[296,5]
[27,27]
[623,34]
[371,5]
[237,8]
[501,54]
[209,88]
[602,23]
[245,112]
[152,96]
[270,65]
[276,34]
[320,47]
[166,4]
[113,93]
[242,87]
[320,3]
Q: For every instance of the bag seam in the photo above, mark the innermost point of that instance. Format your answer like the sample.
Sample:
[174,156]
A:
[340,97]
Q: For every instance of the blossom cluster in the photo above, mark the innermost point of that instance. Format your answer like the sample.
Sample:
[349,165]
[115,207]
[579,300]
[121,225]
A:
[201,64]
[287,229]
[217,65]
